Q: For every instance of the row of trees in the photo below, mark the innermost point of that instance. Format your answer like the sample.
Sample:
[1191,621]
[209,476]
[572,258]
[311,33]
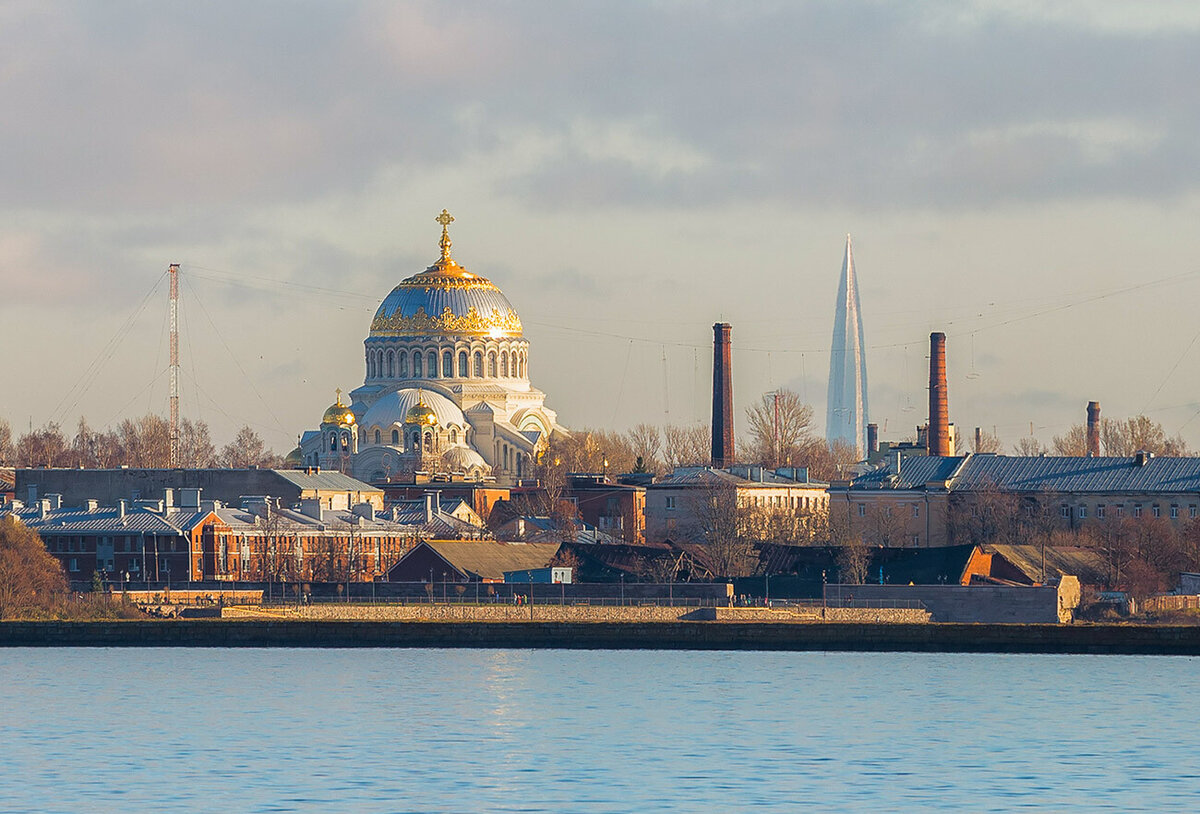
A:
[135,442]
[1118,437]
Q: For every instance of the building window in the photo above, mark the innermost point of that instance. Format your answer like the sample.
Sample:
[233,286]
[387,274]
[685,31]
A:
[453,436]
[1064,510]
[916,510]
[1192,512]
[73,565]
[1100,511]
[1174,512]
[1120,510]
[417,371]
[431,364]
[403,365]
[1156,511]
[377,436]
[1137,510]
[671,502]
[390,363]
[478,364]
[462,364]
[370,365]
[862,509]
[447,365]
[916,538]
[1082,512]
[504,365]
[395,437]
[492,364]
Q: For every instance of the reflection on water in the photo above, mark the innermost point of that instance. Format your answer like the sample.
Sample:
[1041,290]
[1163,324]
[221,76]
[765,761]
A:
[550,730]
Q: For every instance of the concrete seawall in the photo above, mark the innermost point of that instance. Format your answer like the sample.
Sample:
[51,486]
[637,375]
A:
[1099,639]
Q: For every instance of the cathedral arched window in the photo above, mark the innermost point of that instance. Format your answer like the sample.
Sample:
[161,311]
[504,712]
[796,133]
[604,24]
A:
[370,365]
[462,364]
[333,442]
[504,364]
[417,371]
[492,364]
[345,442]
[453,436]
[402,362]
[429,442]
[431,364]
[416,444]
[395,437]
[447,365]
[478,364]
[391,359]
[377,436]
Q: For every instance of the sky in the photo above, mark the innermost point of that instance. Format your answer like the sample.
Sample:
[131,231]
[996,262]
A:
[1025,179]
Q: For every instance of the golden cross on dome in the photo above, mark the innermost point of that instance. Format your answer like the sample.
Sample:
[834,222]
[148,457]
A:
[338,390]
[445,219]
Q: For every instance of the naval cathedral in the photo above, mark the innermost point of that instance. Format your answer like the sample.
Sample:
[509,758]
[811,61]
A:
[446,392]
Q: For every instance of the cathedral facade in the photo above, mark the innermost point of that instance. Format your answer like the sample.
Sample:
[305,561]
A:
[446,391]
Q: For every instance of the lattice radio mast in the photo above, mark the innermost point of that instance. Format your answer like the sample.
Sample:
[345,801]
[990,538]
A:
[173,449]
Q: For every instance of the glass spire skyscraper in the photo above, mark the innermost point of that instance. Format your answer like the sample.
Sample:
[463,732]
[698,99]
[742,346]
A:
[846,410]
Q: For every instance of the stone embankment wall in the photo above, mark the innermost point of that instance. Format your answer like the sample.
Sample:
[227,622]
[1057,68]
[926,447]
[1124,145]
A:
[575,613]
[833,636]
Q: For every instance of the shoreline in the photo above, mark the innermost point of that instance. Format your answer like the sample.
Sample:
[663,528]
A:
[789,636]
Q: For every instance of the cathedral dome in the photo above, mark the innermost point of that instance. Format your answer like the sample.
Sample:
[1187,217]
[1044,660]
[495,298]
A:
[446,299]
[339,414]
[464,459]
[395,407]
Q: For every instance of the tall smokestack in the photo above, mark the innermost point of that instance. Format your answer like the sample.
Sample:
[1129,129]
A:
[978,438]
[939,402]
[722,395]
[872,439]
[1093,429]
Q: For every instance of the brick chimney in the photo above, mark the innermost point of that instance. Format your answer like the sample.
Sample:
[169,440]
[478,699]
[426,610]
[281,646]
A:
[872,439]
[939,402]
[1093,429]
[722,395]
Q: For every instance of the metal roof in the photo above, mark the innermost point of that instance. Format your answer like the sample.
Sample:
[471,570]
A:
[915,471]
[1041,474]
[489,560]
[101,521]
[708,476]
[324,481]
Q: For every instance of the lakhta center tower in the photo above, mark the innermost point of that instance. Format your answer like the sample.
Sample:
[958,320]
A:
[846,412]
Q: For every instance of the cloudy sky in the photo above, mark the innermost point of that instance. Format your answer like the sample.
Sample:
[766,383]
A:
[1027,181]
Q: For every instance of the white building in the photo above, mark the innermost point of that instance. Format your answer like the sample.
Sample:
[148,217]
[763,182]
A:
[446,389]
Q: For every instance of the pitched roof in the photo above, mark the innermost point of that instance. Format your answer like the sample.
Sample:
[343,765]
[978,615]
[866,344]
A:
[1059,474]
[486,559]
[915,471]
[1084,563]
[101,521]
[325,480]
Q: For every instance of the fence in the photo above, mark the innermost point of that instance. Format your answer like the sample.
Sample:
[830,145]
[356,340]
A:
[1157,604]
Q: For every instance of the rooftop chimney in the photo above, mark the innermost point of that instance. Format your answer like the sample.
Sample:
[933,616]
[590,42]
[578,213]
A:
[872,439]
[1093,429]
[939,403]
[722,397]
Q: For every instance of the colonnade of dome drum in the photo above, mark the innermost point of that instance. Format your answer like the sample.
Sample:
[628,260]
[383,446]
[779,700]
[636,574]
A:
[492,361]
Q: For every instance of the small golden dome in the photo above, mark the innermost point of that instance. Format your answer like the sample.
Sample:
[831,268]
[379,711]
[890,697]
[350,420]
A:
[422,414]
[294,459]
[339,414]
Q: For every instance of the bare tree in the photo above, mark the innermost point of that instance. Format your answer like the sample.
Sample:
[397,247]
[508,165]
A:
[247,449]
[1124,437]
[718,521]
[687,445]
[646,443]
[780,429]
[854,562]
[45,446]
[1072,443]
[8,453]
[987,442]
[1029,447]
[195,450]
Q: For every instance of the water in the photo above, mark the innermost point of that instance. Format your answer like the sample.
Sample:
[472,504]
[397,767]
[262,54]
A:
[550,730]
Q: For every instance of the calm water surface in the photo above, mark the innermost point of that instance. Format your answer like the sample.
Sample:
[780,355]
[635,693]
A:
[552,730]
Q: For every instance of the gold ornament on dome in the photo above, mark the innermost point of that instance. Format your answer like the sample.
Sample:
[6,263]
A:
[422,324]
